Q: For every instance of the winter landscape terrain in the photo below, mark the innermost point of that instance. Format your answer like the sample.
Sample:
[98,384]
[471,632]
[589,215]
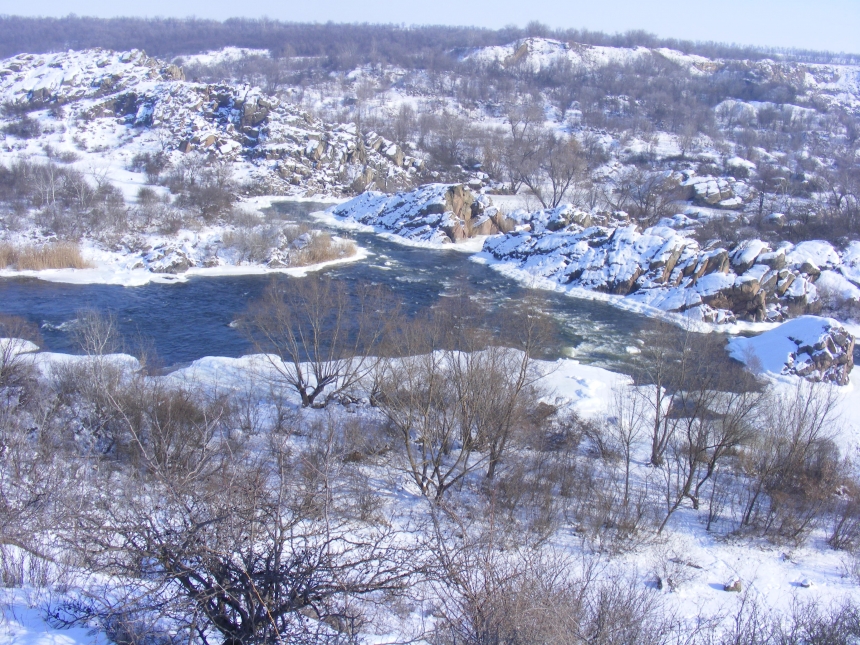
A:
[377,469]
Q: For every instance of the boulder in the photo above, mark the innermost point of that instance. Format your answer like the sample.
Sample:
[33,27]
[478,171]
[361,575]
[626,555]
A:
[168,260]
[828,358]
[172,73]
[734,585]
[667,264]
[484,225]
[785,279]
[360,183]
[746,253]
[774,259]
[716,261]
[810,269]
[394,154]
[253,112]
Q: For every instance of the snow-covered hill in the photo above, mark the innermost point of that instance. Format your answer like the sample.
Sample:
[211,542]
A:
[835,83]
[106,107]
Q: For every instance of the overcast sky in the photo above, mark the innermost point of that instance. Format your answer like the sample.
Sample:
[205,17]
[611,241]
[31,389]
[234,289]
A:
[809,24]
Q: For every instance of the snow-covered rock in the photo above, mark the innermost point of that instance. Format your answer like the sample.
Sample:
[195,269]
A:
[819,349]
[660,267]
[437,213]
[120,104]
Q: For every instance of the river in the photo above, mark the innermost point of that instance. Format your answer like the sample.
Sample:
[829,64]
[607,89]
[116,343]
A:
[185,321]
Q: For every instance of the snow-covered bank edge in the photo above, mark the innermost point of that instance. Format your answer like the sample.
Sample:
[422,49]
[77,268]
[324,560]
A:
[773,574]
[117,268]
[105,274]
[532,281]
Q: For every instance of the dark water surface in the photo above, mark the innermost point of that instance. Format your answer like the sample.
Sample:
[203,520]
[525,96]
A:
[185,321]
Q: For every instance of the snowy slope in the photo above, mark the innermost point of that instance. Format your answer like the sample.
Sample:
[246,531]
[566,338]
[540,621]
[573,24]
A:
[114,105]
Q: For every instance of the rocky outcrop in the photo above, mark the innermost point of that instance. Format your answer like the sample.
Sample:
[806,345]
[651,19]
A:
[168,260]
[284,150]
[438,213]
[664,268]
[659,266]
[817,349]
[830,357]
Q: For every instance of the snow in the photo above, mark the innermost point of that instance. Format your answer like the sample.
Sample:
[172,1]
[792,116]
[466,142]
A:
[818,253]
[113,273]
[851,262]
[536,256]
[771,351]
[586,388]
[747,252]
[775,575]
[535,54]
[12,347]
[23,623]
[835,284]
[221,56]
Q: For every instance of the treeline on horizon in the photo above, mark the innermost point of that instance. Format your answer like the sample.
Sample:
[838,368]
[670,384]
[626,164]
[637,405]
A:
[343,46]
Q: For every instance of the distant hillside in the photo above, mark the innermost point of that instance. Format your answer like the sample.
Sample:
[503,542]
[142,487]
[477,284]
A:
[342,45]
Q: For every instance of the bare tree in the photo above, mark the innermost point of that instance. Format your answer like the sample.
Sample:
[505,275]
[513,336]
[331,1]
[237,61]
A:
[428,404]
[250,545]
[646,196]
[625,425]
[317,335]
[561,166]
[792,461]
[665,357]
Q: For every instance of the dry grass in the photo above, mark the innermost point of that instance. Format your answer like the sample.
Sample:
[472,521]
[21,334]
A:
[55,255]
[322,248]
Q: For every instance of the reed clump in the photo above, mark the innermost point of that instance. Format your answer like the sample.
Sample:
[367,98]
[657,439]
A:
[322,247]
[54,255]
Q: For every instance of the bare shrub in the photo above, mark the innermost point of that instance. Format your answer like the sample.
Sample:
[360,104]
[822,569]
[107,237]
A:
[151,164]
[23,127]
[845,532]
[227,543]
[17,376]
[254,244]
[791,464]
[671,569]
[489,596]
[646,196]
[209,190]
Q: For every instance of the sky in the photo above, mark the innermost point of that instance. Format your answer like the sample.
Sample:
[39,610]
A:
[807,24]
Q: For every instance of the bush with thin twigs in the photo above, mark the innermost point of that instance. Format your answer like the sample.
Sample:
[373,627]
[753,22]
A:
[54,255]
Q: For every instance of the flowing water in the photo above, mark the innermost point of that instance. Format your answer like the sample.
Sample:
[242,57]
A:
[184,321]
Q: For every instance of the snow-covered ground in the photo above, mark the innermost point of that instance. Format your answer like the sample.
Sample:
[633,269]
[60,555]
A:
[128,270]
[700,562]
